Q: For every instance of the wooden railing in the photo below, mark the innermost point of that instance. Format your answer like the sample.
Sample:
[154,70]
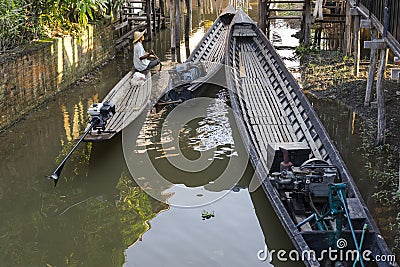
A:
[376,7]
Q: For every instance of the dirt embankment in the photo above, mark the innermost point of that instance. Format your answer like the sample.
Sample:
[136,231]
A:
[329,74]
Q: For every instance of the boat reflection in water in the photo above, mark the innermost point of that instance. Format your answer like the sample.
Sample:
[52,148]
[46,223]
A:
[192,158]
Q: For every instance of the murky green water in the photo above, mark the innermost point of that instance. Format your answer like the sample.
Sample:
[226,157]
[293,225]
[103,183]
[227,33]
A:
[99,216]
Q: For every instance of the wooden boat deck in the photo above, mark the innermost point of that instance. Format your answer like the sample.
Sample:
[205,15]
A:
[129,98]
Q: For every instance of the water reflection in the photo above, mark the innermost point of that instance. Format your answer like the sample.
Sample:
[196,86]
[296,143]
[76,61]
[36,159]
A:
[344,126]
[191,159]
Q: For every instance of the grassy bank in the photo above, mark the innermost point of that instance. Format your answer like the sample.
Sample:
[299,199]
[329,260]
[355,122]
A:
[329,74]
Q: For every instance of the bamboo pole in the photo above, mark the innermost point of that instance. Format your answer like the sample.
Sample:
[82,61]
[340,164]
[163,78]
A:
[371,71]
[172,23]
[380,97]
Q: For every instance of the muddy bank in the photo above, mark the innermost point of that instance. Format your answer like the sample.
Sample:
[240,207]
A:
[329,75]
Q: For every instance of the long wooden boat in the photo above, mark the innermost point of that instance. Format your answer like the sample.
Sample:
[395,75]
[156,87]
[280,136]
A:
[299,168]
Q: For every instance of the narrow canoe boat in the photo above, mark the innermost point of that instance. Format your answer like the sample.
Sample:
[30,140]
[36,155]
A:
[300,170]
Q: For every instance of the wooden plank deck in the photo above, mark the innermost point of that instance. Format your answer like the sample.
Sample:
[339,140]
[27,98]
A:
[129,97]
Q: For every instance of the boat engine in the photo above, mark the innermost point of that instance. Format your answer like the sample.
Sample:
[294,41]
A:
[100,113]
[307,185]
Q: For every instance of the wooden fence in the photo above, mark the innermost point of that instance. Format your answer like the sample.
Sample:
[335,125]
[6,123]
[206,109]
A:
[377,7]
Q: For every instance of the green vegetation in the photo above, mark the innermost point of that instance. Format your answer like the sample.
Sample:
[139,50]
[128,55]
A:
[381,162]
[303,50]
[15,23]
[22,21]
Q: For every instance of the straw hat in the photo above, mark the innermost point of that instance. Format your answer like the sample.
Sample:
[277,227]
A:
[137,36]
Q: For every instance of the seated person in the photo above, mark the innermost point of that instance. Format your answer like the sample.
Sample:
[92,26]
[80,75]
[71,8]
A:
[142,60]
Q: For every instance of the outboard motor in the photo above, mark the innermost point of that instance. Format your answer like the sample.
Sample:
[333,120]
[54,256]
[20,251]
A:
[100,113]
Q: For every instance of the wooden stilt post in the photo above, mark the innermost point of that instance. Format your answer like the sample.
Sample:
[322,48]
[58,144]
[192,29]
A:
[172,23]
[347,33]
[357,45]
[153,14]
[162,13]
[262,15]
[187,48]
[371,71]
[178,54]
[307,22]
[188,24]
[380,98]
[178,23]
[148,20]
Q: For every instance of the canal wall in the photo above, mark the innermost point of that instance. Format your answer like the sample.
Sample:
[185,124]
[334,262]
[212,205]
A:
[34,73]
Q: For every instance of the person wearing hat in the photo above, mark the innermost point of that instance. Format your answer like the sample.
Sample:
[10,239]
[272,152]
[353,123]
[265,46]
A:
[142,60]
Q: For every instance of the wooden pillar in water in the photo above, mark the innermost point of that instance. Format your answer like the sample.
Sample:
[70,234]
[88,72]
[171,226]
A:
[188,24]
[371,71]
[172,23]
[162,13]
[307,22]
[357,45]
[380,98]
[347,33]
[177,23]
[262,15]
[148,20]
[153,14]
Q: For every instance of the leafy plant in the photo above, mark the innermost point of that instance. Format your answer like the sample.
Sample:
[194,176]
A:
[303,50]
[22,21]
[14,23]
